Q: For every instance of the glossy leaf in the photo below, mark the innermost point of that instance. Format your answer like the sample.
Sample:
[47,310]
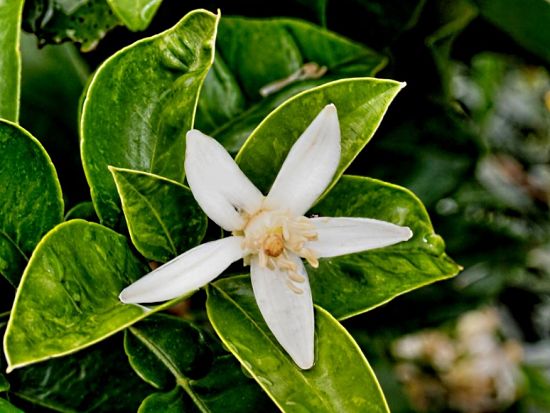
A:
[254,53]
[361,105]
[84,210]
[136,15]
[166,350]
[140,104]
[356,283]
[527,21]
[68,297]
[341,380]
[7,407]
[31,198]
[162,216]
[174,401]
[175,344]
[10,59]
[81,21]
[97,379]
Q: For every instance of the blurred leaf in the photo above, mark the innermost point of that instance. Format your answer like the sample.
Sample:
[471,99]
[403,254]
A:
[361,105]
[31,198]
[55,74]
[139,105]
[526,21]
[162,216]
[84,210]
[10,59]
[4,384]
[341,379]
[252,54]
[352,284]
[136,15]
[68,297]
[80,21]
[97,379]
[7,407]
[166,350]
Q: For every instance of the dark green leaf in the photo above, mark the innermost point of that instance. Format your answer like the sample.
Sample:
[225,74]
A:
[356,283]
[254,53]
[175,344]
[527,21]
[226,389]
[361,105]
[4,384]
[174,401]
[31,198]
[341,380]
[84,210]
[97,379]
[136,15]
[68,297]
[139,105]
[7,407]
[10,59]
[80,21]
[162,216]
[165,350]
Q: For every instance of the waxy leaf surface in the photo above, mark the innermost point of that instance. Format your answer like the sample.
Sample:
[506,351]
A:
[254,53]
[140,104]
[10,58]
[166,350]
[97,379]
[162,216]
[361,105]
[352,284]
[31,198]
[136,15]
[341,379]
[68,297]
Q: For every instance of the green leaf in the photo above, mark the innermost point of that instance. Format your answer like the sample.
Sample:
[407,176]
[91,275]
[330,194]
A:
[174,401]
[526,21]
[162,216]
[81,21]
[356,283]
[361,105]
[140,104]
[84,210]
[31,198]
[253,53]
[7,407]
[226,389]
[10,59]
[165,350]
[173,343]
[136,15]
[341,380]
[4,384]
[96,379]
[68,297]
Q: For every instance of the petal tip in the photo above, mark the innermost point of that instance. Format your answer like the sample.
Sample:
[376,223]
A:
[402,85]
[407,233]
[305,364]
[124,297]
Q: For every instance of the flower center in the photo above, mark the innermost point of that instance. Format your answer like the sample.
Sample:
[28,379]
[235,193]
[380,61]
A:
[273,245]
[274,237]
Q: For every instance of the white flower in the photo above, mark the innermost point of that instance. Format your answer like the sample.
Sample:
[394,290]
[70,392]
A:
[270,233]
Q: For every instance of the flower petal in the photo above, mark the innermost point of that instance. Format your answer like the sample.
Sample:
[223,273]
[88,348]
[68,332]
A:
[340,236]
[289,315]
[309,166]
[185,273]
[222,190]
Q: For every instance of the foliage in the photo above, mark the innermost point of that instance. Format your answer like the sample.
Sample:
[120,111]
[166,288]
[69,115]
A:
[468,137]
